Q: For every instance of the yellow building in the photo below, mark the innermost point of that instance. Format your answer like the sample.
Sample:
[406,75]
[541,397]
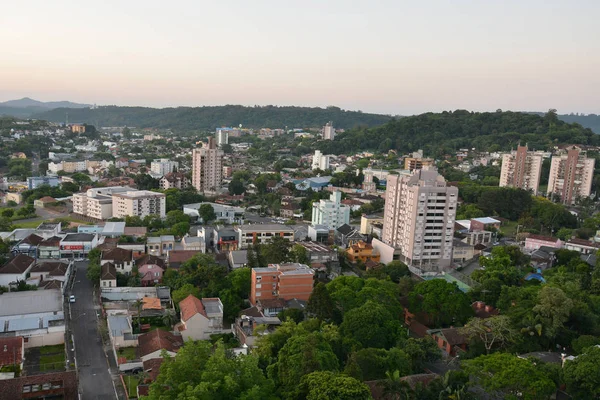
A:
[78,128]
[362,251]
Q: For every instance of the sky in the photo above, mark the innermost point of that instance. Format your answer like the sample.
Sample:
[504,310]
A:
[393,57]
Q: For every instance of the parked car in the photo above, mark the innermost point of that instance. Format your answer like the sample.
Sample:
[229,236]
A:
[72,298]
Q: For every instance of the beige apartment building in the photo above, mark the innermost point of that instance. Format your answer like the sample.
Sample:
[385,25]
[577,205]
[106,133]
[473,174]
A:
[521,169]
[419,215]
[139,203]
[207,167]
[571,174]
[97,203]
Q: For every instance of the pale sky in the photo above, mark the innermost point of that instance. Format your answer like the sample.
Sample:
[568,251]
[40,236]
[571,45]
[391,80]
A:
[396,57]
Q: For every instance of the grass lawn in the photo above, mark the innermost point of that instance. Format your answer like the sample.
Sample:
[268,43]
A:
[52,362]
[130,353]
[131,383]
[28,224]
[57,348]
[509,229]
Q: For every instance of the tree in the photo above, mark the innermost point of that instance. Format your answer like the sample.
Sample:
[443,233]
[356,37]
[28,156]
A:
[581,375]
[396,270]
[175,217]
[276,250]
[320,303]
[184,292]
[146,182]
[207,213]
[494,331]
[374,363]
[236,187]
[198,372]
[294,314]
[94,255]
[299,254]
[371,325]
[180,229]
[512,375]
[396,388]
[583,342]
[8,213]
[325,385]
[553,307]
[169,317]
[93,273]
[443,302]
[138,304]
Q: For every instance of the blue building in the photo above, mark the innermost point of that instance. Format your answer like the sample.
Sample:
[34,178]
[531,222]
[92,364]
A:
[33,182]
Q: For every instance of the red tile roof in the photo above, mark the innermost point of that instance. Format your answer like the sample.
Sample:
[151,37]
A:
[10,350]
[152,367]
[158,340]
[191,306]
[32,239]
[117,254]
[17,265]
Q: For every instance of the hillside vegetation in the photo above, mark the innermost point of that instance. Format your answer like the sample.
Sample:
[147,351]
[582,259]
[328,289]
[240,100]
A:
[442,133]
[194,118]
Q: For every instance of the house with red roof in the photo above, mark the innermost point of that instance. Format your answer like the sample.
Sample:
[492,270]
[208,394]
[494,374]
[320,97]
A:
[200,318]
[151,344]
[12,350]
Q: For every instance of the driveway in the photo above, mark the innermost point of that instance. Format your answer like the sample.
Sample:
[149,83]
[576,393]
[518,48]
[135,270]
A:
[95,380]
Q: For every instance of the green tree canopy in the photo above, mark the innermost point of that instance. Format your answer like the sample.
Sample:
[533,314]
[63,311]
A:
[443,302]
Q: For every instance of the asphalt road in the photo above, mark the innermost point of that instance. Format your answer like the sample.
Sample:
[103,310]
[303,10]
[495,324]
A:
[95,381]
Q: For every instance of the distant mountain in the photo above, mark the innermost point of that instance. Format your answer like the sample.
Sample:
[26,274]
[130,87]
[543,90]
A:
[26,107]
[208,118]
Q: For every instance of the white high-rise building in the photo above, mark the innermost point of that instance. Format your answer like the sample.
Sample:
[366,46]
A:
[419,215]
[521,169]
[222,137]
[320,161]
[331,213]
[207,167]
[163,166]
[329,131]
[571,175]
[139,203]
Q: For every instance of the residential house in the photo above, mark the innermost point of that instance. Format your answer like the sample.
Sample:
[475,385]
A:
[177,257]
[238,259]
[346,236]
[320,254]
[245,326]
[150,269]
[583,246]
[194,243]
[271,307]
[56,385]
[12,352]
[534,242]
[450,340]
[120,331]
[363,252]
[200,318]
[16,269]
[108,275]
[160,245]
[151,344]
[121,258]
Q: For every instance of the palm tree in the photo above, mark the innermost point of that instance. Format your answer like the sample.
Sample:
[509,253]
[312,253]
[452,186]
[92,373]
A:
[169,317]
[138,305]
[395,388]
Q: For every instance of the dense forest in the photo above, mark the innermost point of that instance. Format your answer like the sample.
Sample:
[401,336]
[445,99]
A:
[443,133]
[194,118]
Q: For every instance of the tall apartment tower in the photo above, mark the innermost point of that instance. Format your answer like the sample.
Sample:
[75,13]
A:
[222,137]
[571,174]
[521,169]
[207,167]
[328,131]
[419,215]
[331,212]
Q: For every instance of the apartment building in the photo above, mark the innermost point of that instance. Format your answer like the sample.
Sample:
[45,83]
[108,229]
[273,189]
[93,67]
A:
[521,169]
[163,166]
[176,180]
[571,174]
[419,215]
[97,203]
[222,137]
[320,161]
[262,233]
[328,131]
[33,182]
[140,203]
[331,213]
[72,166]
[281,281]
[207,167]
[417,161]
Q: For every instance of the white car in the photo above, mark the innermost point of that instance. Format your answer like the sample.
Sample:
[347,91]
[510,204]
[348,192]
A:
[72,298]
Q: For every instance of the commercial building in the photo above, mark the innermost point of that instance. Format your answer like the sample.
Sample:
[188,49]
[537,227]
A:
[163,166]
[222,137]
[331,213]
[207,167]
[571,174]
[281,281]
[139,203]
[521,169]
[33,182]
[77,245]
[97,203]
[419,215]
[328,131]
[320,161]
[262,233]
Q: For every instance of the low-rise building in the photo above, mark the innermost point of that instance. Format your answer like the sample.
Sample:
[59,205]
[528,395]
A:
[151,269]
[44,202]
[108,275]
[223,212]
[174,180]
[534,242]
[367,221]
[259,234]
[160,245]
[320,234]
[16,269]
[28,245]
[283,281]
[121,258]
[200,318]
[362,252]
[583,246]
[50,248]
[33,182]
[462,251]
[237,259]
[347,236]
[151,344]
[48,229]
[12,352]
[77,245]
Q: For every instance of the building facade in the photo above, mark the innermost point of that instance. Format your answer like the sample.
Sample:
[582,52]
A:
[420,211]
[262,233]
[163,166]
[521,169]
[174,180]
[97,203]
[329,131]
[33,182]
[331,213]
[320,161]
[281,281]
[222,137]
[571,174]
[139,203]
[207,167]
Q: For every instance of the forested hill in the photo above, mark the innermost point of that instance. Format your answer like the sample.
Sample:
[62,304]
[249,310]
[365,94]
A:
[442,133]
[194,118]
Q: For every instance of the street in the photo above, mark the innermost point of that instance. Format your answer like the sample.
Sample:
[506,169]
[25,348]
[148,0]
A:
[95,381]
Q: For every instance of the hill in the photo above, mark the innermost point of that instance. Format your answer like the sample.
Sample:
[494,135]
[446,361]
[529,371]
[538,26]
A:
[444,133]
[27,107]
[194,118]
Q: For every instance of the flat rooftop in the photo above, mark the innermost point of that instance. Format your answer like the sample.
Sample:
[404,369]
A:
[315,247]
[45,226]
[265,228]
[79,237]
[136,194]
[31,302]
